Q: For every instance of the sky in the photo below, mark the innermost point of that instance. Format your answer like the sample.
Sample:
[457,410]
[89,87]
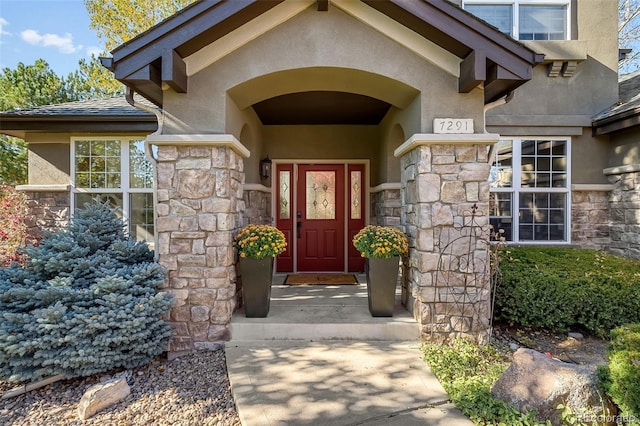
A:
[54,30]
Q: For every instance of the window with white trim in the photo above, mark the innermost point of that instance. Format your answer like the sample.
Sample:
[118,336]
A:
[115,170]
[530,190]
[525,19]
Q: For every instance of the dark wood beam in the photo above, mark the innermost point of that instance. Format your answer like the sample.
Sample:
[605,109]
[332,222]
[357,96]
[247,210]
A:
[107,63]
[174,71]
[461,33]
[147,83]
[323,5]
[79,124]
[148,72]
[473,71]
[607,126]
[194,27]
[496,73]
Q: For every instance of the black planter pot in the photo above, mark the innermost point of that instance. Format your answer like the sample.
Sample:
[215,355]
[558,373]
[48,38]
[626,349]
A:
[256,285]
[382,277]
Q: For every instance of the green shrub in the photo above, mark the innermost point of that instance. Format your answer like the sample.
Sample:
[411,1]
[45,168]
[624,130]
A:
[559,288]
[86,301]
[621,377]
[467,372]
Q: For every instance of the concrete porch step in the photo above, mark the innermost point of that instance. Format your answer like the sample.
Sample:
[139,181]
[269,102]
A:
[318,312]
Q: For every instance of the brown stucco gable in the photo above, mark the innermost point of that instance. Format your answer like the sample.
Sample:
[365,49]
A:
[489,57]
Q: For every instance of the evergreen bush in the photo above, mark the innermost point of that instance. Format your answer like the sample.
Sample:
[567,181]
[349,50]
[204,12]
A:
[559,288]
[86,301]
[621,377]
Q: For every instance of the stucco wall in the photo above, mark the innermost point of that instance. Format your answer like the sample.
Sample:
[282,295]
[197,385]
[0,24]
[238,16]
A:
[327,142]
[589,158]
[395,129]
[624,148]
[49,163]
[247,128]
[313,39]
[563,106]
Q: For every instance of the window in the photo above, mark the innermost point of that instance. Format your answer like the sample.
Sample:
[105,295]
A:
[530,190]
[115,170]
[542,22]
[498,15]
[525,19]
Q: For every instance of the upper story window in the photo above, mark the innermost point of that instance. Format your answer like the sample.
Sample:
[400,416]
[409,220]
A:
[115,170]
[525,19]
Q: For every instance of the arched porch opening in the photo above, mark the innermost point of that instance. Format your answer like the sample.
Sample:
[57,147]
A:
[319,122]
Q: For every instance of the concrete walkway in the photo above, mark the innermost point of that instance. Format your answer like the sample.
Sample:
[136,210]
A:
[336,383]
[319,358]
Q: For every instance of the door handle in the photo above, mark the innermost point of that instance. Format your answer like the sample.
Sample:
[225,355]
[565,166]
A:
[299,227]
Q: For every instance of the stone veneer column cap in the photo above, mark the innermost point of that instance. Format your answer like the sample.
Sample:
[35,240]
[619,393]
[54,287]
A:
[201,139]
[592,187]
[420,139]
[629,168]
[43,188]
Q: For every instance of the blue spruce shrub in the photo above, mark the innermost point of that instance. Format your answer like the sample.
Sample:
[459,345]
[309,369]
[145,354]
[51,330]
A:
[87,301]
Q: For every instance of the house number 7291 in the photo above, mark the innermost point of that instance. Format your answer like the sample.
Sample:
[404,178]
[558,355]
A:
[452,125]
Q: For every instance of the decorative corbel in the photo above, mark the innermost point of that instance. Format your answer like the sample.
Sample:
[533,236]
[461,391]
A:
[554,68]
[568,68]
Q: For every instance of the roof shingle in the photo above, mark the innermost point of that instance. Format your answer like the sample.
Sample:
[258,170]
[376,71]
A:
[116,106]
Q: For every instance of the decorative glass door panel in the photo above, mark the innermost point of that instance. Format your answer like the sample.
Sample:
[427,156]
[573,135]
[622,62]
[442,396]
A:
[320,218]
[355,219]
[284,215]
[321,195]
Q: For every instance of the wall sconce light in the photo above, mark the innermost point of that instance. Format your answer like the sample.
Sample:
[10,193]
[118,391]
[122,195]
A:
[265,168]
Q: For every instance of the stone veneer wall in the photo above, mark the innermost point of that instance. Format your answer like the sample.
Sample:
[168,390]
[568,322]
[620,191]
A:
[257,207]
[386,210]
[48,211]
[199,201]
[624,203]
[386,206]
[590,220]
[449,286]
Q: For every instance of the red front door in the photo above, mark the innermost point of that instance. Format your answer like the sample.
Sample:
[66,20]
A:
[319,217]
[311,211]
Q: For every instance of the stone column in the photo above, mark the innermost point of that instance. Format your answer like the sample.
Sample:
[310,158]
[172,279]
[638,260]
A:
[624,204]
[386,205]
[199,199]
[48,208]
[445,199]
[257,203]
[590,218]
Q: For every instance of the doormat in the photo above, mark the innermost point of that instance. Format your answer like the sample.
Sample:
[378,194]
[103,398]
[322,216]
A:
[326,279]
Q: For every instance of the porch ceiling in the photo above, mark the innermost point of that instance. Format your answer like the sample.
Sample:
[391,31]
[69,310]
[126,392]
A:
[321,107]
[156,57]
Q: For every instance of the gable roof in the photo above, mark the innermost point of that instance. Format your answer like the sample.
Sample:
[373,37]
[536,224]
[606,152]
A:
[487,56]
[626,112]
[95,115]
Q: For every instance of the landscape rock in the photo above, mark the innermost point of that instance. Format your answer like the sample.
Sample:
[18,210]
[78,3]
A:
[577,336]
[101,396]
[534,381]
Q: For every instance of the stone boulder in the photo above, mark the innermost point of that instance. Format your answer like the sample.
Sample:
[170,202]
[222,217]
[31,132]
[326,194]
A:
[534,381]
[101,396]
